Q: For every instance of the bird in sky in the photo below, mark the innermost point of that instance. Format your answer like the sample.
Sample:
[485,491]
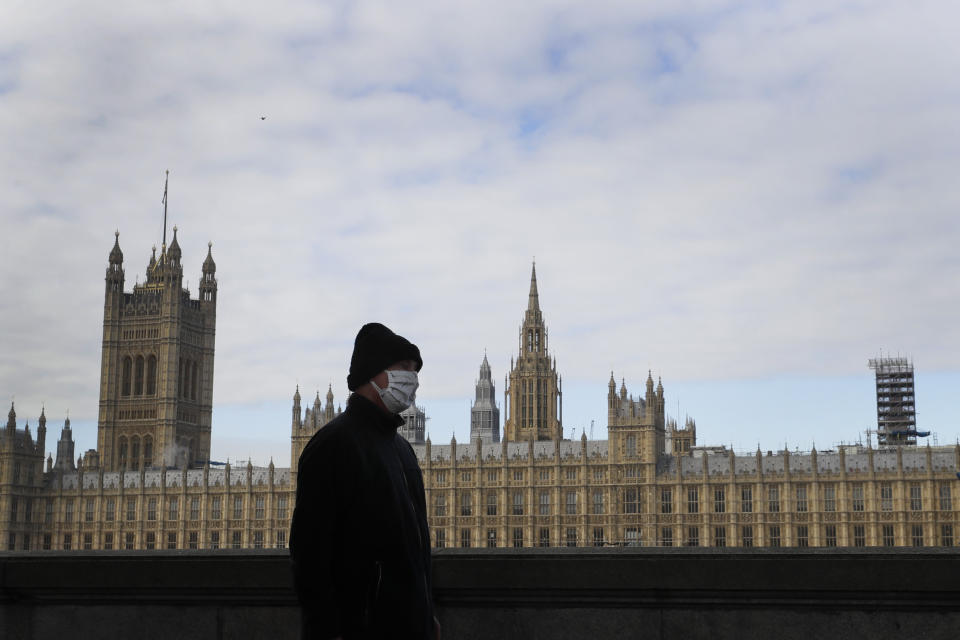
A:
[263,117]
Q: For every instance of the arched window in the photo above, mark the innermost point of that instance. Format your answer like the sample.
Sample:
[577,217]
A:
[122,446]
[151,375]
[147,452]
[180,380]
[194,377]
[134,453]
[125,376]
[138,377]
[529,340]
[536,341]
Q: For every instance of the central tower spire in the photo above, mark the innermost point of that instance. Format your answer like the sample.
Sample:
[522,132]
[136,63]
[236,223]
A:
[532,403]
[534,302]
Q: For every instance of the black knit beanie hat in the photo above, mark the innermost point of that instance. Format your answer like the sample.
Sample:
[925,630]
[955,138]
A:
[375,349]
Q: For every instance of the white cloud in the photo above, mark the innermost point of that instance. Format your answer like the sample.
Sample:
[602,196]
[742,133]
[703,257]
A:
[711,189]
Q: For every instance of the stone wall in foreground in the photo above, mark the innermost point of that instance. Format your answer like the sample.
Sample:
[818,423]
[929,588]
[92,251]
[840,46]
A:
[503,593]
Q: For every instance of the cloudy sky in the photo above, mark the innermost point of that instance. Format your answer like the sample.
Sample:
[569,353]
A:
[749,199]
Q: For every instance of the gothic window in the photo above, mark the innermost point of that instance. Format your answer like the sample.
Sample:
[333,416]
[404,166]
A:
[598,502]
[801,492]
[193,378]
[536,338]
[147,452]
[630,500]
[123,452]
[886,496]
[631,447]
[180,379]
[773,499]
[857,498]
[719,500]
[571,504]
[151,375]
[125,378]
[916,499]
[138,377]
[946,503]
[529,340]
[829,498]
[134,453]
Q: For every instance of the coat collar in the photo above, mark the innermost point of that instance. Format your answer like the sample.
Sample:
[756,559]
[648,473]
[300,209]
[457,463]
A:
[371,413]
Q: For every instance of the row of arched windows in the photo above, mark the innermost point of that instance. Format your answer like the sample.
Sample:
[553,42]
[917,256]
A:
[533,340]
[138,376]
[189,379]
[130,455]
[533,395]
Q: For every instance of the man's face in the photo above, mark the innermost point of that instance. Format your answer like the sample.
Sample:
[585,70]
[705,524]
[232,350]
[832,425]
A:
[403,365]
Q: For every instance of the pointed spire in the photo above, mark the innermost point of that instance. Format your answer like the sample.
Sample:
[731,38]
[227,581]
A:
[116,255]
[330,394]
[296,395]
[11,417]
[209,266]
[153,262]
[613,383]
[174,249]
[534,302]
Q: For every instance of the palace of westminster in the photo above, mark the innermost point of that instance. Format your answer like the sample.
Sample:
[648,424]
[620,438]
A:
[150,484]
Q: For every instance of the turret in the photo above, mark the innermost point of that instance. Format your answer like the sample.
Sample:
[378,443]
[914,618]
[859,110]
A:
[11,420]
[42,431]
[152,265]
[208,279]
[114,275]
[328,409]
[173,251]
[296,409]
[484,413]
[65,449]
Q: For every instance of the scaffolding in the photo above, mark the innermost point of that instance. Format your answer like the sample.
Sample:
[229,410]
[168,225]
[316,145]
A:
[896,406]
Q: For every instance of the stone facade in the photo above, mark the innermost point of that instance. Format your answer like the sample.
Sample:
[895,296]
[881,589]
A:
[648,484]
[156,374]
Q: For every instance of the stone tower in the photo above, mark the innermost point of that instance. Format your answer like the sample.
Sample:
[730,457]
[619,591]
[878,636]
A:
[21,481]
[414,427]
[534,401]
[156,372]
[485,414]
[305,424]
[65,461]
[636,428]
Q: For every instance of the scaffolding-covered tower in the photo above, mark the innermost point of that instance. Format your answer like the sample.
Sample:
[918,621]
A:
[896,407]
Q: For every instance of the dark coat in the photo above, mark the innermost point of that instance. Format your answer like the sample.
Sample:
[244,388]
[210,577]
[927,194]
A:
[359,542]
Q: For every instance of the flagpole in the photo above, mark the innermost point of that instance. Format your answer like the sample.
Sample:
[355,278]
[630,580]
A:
[165,183]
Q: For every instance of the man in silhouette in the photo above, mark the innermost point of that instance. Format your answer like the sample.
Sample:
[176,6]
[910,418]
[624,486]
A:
[359,542]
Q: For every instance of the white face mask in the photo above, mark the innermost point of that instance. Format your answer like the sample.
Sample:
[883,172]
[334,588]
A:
[401,390]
